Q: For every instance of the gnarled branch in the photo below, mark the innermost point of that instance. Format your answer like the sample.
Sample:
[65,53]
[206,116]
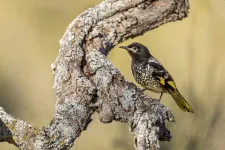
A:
[85,81]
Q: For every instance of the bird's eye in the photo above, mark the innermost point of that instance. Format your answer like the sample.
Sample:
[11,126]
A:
[134,48]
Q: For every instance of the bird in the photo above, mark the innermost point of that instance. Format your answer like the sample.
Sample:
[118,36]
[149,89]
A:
[150,74]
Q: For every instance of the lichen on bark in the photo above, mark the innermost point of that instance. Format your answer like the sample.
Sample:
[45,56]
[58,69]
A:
[86,82]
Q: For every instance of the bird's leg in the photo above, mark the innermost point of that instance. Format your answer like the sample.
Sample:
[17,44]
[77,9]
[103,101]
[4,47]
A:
[160,96]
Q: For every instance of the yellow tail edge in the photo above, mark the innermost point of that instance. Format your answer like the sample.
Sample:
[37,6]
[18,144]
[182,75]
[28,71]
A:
[180,101]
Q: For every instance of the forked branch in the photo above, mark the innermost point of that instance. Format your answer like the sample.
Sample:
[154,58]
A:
[85,81]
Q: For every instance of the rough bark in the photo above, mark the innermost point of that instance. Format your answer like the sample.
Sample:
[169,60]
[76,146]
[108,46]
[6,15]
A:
[85,81]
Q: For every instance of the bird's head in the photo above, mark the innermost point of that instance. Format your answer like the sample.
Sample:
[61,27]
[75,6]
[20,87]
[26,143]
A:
[137,51]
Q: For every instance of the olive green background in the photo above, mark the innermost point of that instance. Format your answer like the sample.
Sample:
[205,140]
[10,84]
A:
[192,50]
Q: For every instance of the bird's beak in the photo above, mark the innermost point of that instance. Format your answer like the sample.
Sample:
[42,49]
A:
[130,50]
[124,47]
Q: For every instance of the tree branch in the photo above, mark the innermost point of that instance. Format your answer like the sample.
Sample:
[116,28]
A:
[85,81]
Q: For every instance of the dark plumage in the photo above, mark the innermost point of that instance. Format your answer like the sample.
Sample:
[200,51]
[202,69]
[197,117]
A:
[150,74]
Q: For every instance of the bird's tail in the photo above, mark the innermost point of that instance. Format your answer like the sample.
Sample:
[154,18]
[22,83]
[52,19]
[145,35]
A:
[181,102]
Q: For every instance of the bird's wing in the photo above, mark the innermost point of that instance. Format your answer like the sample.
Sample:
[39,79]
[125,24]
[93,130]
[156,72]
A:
[162,75]
[166,80]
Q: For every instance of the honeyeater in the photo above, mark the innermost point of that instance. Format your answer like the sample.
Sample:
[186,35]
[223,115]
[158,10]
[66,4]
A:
[150,74]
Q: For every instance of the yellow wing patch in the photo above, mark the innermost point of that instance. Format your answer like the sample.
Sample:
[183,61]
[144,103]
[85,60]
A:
[162,81]
[172,84]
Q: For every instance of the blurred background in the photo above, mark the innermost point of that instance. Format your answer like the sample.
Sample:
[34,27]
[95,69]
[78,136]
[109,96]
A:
[193,51]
